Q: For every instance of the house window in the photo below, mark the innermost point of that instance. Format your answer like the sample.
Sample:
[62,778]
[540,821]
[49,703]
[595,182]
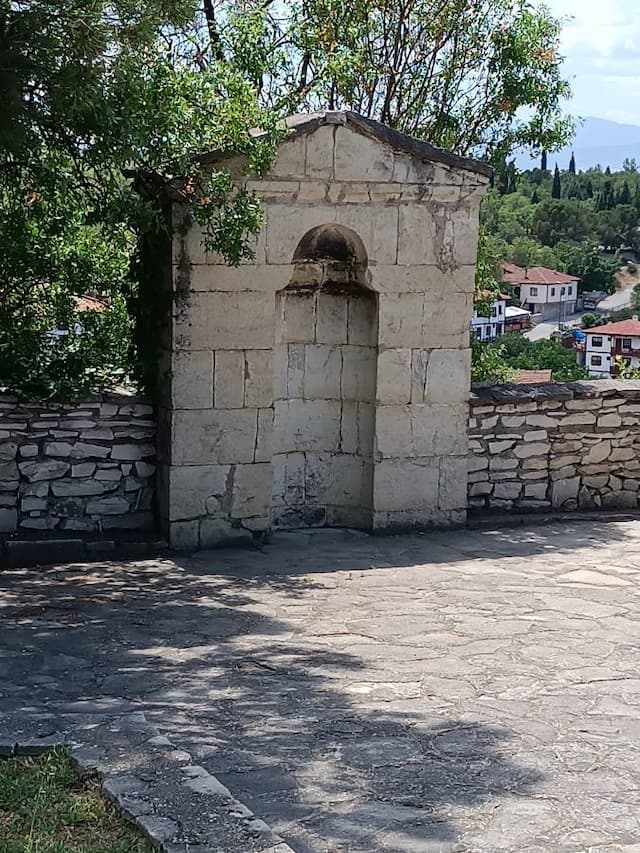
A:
[494,311]
[499,307]
[533,291]
[562,291]
[626,343]
[570,291]
[596,341]
[596,360]
[553,291]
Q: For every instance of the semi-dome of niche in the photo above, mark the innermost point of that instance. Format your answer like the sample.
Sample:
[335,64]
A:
[328,255]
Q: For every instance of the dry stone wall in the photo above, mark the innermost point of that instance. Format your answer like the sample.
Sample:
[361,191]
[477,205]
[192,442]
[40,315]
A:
[561,446]
[87,466]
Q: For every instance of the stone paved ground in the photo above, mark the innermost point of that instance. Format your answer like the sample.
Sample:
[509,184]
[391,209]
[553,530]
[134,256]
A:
[466,691]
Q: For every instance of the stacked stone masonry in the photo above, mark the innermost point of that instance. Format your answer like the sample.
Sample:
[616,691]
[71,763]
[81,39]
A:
[85,466]
[561,446]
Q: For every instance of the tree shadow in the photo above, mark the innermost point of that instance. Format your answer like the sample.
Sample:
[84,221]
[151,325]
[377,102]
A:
[335,752]
[334,724]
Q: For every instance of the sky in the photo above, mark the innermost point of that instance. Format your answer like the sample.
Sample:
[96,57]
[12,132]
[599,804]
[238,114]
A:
[601,46]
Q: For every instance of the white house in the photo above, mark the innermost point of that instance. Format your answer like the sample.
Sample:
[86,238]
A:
[488,328]
[543,291]
[605,343]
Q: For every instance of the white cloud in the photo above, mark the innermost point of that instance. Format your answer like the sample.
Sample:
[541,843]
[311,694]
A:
[601,45]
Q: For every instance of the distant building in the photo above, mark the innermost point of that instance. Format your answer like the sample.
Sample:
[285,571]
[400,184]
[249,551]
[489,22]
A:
[489,328]
[543,291]
[516,319]
[605,343]
[592,299]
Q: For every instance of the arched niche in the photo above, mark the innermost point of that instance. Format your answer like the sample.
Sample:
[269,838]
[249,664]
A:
[325,384]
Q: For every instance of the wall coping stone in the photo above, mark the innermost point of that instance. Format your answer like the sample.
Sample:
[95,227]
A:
[482,392]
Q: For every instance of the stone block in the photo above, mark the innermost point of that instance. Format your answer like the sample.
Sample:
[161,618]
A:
[563,491]
[184,536]
[81,450]
[312,425]
[597,453]
[524,451]
[535,435]
[542,421]
[401,484]
[112,474]
[395,374]
[229,371]
[264,440]
[362,318]
[500,463]
[358,158]
[221,320]
[509,490]
[216,532]
[144,469]
[349,442]
[609,421]
[419,235]
[538,491]
[45,469]
[401,320]
[77,488]
[477,463]
[9,471]
[419,364]
[192,379]
[320,153]
[448,376]
[287,224]
[578,419]
[28,451]
[8,520]
[452,487]
[215,436]
[331,318]
[83,469]
[565,459]
[338,479]
[291,157]
[478,489]
[132,452]
[8,451]
[501,447]
[258,378]
[621,454]
[430,429]
[112,505]
[322,372]
[377,227]
[358,379]
[251,494]
[620,500]
[296,316]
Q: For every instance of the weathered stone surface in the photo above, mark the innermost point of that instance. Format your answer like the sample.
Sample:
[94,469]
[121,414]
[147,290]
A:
[113,505]
[8,520]
[83,469]
[45,469]
[74,488]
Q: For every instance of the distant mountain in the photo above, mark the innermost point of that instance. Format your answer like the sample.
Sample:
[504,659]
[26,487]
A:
[597,141]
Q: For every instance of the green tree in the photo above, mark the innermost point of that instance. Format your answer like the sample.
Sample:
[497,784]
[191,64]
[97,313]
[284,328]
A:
[90,89]
[590,320]
[635,298]
[520,353]
[543,161]
[624,196]
[554,220]
[572,164]
[556,190]
[595,269]
[473,77]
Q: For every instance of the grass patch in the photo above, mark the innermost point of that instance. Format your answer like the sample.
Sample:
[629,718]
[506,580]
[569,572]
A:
[46,808]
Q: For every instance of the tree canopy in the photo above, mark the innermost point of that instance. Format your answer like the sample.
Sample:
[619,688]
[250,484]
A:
[93,91]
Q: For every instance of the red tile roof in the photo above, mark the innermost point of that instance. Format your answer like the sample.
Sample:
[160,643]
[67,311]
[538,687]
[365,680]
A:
[536,275]
[629,328]
[532,377]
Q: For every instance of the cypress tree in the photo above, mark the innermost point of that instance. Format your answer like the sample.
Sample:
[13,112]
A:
[556,189]
[624,196]
[535,198]
[543,161]
[572,164]
[589,189]
[607,171]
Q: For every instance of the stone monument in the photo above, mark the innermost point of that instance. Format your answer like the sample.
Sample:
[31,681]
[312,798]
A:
[326,381]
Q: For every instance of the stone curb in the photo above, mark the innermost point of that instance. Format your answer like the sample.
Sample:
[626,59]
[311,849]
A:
[497,520]
[27,553]
[135,797]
